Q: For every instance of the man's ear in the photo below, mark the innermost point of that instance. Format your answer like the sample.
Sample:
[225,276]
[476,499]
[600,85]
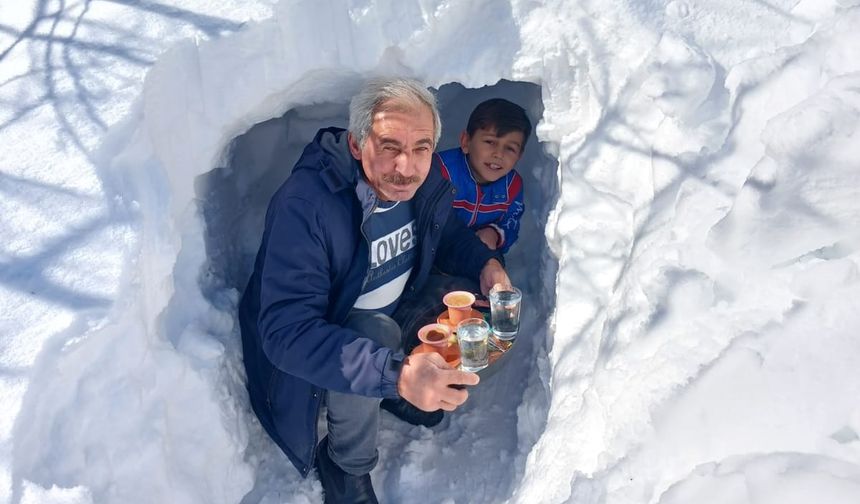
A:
[464,141]
[354,148]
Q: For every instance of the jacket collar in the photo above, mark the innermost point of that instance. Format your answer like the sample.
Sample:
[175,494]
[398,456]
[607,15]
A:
[432,182]
[338,169]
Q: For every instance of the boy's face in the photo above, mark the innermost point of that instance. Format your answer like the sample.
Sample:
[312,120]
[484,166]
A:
[491,157]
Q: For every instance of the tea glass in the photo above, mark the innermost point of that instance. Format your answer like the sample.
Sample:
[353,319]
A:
[505,311]
[472,335]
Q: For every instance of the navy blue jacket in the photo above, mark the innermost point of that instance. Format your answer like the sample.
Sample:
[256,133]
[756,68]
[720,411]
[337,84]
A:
[307,276]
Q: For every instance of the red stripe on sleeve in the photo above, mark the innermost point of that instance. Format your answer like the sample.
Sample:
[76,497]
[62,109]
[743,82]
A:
[467,205]
[515,186]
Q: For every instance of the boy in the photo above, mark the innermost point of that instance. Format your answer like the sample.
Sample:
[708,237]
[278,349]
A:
[489,195]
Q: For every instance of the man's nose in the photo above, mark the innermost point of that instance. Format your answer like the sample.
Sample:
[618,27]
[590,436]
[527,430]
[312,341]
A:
[406,162]
[403,163]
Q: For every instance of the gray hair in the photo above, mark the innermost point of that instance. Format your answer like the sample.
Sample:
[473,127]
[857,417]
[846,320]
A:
[378,93]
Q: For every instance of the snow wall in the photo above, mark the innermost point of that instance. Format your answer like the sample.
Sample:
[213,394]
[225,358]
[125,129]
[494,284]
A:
[704,228]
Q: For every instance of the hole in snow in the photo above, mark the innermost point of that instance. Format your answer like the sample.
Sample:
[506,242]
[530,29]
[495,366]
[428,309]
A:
[234,199]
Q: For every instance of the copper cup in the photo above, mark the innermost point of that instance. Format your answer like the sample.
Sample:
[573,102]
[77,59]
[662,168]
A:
[459,305]
[435,336]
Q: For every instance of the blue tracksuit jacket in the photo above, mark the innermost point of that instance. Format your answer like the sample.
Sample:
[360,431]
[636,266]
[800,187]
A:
[498,204]
[307,276]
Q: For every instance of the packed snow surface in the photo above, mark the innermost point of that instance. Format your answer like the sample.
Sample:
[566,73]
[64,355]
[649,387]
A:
[690,255]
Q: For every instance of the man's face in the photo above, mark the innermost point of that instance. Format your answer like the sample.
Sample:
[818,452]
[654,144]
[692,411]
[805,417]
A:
[491,157]
[397,153]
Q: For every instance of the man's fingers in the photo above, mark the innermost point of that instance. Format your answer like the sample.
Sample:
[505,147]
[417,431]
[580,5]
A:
[453,396]
[502,284]
[438,361]
[457,377]
[442,382]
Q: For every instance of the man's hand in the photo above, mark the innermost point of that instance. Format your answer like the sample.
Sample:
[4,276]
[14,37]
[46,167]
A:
[425,379]
[489,236]
[492,274]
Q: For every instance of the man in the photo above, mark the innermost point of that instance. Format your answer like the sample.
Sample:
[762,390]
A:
[360,222]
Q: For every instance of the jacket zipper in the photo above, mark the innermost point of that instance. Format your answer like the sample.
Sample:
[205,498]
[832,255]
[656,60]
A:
[477,204]
[369,245]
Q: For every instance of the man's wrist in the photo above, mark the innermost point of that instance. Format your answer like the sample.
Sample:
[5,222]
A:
[492,260]
[390,386]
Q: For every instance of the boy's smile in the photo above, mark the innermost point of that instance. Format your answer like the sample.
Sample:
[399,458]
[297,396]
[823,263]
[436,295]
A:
[491,157]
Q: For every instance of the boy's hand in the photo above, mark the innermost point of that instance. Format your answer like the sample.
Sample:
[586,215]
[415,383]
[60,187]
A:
[489,236]
[426,379]
[492,274]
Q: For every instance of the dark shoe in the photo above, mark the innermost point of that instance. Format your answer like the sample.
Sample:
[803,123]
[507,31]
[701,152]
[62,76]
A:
[340,487]
[405,411]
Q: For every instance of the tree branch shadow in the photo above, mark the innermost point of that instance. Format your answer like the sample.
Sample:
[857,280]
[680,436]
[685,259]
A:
[27,274]
[71,57]
[74,54]
[210,25]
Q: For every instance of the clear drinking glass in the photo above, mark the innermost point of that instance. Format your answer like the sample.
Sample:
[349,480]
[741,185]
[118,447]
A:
[505,312]
[472,334]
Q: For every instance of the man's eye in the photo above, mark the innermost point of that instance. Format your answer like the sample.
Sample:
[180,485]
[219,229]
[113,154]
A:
[389,148]
[490,142]
[422,150]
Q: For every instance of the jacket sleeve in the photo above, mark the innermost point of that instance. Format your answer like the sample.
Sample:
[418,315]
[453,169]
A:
[461,252]
[508,225]
[294,296]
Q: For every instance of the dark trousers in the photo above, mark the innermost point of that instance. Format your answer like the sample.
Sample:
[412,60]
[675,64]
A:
[353,420]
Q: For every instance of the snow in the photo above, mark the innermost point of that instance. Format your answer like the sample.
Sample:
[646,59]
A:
[689,256]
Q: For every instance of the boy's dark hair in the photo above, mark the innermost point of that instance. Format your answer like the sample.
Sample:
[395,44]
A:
[502,115]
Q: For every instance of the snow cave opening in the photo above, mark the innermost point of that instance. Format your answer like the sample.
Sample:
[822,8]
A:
[233,199]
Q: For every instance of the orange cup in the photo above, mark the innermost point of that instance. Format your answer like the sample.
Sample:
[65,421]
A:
[459,305]
[435,335]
